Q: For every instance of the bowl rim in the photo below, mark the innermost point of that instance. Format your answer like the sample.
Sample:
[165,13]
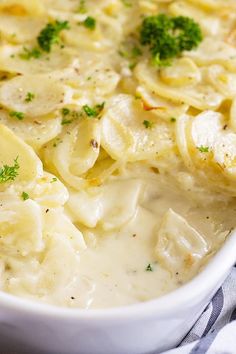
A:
[204,282]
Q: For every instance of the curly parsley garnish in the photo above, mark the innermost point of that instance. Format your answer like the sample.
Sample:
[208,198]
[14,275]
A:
[9,173]
[18,115]
[50,34]
[167,37]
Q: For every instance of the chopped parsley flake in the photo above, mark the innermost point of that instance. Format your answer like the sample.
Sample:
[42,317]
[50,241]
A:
[90,23]
[50,34]
[149,268]
[65,111]
[93,112]
[9,173]
[203,148]
[28,54]
[147,124]
[173,119]
[54,179]
[18,115]
[24,196]
[29,97]
[66,121]
[68,116]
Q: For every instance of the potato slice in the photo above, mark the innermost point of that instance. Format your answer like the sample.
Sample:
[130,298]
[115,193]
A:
[183,72]
[208,149]
[223,80]
[75,151]
[124,135]
[12,60]
[95,206]
[21,227]
[12,147]
[48,95]
[22,7]
[215,51]
[18,29]
[200,95]
[179,248]
[35,133]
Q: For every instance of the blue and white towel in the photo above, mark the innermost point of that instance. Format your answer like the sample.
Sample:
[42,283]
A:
[215,330]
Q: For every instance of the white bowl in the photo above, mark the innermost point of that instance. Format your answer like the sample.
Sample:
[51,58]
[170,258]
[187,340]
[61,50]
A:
[155,325]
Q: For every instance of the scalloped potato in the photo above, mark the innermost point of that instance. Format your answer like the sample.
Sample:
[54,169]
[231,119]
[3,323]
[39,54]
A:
[117,162]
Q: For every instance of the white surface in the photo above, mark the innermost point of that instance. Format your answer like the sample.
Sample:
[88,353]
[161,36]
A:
[153,326]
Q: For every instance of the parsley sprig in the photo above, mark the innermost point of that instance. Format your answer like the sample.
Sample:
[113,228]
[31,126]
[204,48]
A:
[167,37]
[9,173]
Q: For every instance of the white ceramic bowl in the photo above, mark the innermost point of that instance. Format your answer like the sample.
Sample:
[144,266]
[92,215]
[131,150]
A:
[155,325]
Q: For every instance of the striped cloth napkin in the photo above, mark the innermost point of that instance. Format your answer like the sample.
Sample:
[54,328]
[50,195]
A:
[215,330]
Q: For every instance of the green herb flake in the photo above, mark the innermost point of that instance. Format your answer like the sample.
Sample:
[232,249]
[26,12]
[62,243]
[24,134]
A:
[24,196]
[149,268]
[54,179]
[173,119]
[203,148]
[93,112]
[18,115]
[9,173]
[167,37]
[147,124]
[90,23]
[65,111]
[29,97]
[28,54]
[66,121]
[50,34]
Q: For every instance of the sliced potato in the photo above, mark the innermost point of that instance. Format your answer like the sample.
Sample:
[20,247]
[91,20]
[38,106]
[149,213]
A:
[163,108]
[47,96]
[21,227]
[35,133]
[22,7]
[223,80]
[125,135]
[11,147]
[215,51]
[95,206]
[200,95]
[183,72]
[208,149]
[12,59]
[20,29]
[179,248]
[76,151]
